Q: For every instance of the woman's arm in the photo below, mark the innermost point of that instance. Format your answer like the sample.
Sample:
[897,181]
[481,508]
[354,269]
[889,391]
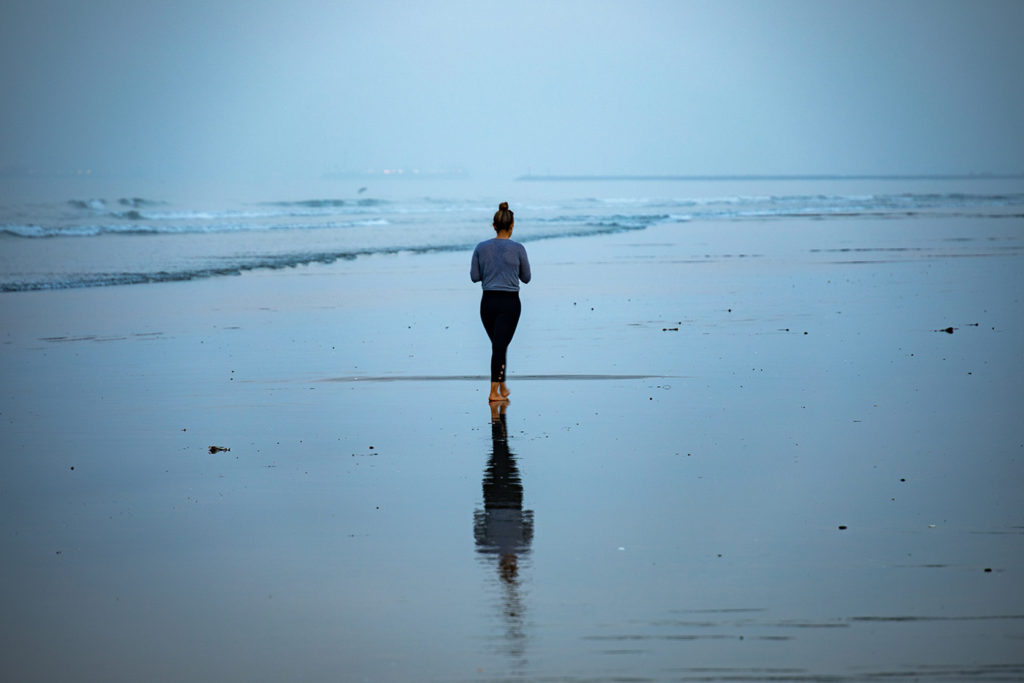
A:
[474,267]
[524,266]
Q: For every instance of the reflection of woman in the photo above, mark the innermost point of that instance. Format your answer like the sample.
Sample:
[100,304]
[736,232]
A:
[503,528]
[500,265]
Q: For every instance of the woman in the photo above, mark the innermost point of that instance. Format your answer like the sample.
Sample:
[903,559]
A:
[500,264]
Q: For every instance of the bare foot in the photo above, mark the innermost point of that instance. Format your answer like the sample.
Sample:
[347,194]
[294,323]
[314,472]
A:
[498,392]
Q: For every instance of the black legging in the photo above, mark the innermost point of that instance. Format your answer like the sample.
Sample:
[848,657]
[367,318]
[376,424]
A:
[499,312]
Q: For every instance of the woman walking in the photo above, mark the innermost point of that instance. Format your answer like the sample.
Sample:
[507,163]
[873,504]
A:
[500,265]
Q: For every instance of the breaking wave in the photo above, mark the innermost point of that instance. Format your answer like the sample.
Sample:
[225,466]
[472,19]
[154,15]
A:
[239,265]
[198,242]
[169,229]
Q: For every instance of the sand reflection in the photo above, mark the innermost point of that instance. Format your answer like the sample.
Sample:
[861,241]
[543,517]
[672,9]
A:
[503,529]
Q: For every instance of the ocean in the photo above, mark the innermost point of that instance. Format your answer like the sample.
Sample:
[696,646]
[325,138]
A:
[86,237]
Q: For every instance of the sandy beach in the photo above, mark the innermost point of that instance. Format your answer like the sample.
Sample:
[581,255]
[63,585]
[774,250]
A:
[734,451]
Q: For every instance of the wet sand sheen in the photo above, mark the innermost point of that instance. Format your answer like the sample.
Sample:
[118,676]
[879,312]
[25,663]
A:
[839,505]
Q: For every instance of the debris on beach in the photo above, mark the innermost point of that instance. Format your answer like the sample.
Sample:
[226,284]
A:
[951,329]
[218,449]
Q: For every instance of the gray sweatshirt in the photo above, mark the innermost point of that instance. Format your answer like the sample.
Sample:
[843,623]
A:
[500,264]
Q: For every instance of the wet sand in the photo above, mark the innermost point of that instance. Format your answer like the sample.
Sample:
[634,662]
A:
[734,451]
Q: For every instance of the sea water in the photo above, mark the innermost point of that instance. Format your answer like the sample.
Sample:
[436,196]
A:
[86,234]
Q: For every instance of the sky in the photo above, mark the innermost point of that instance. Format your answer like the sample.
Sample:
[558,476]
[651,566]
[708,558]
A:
[299,88]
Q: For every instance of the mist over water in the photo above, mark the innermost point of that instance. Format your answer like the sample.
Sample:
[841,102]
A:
[189,94]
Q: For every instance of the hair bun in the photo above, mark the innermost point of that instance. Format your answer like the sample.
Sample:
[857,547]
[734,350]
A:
[503,206]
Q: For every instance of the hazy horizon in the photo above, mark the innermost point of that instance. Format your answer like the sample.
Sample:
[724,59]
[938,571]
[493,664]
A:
[295,91]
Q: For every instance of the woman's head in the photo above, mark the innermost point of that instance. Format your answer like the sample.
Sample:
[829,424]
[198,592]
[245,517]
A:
[503,218]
